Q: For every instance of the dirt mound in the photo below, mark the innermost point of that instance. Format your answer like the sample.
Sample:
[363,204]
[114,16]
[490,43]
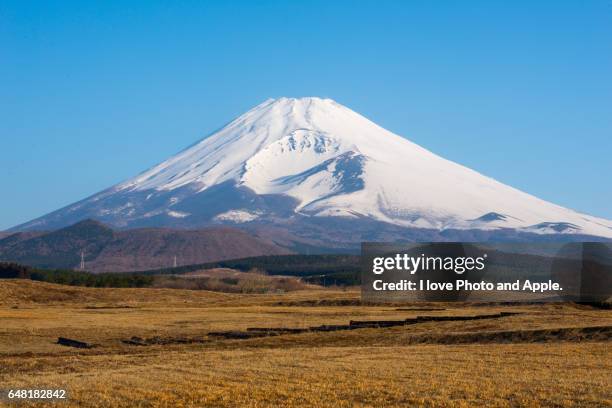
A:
[19,291]
[232,281]
[353,325]
[576,334]
[321,302]
[23,291]
[162,341]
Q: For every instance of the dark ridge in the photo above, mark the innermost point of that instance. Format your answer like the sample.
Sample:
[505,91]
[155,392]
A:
[574,334]
[556,226]
[63,341]
[492,216]
[353,325]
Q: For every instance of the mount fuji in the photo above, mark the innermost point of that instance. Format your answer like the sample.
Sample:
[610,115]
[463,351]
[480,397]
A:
[314,172]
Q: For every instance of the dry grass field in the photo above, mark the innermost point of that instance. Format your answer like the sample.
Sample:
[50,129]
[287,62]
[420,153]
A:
[541,356]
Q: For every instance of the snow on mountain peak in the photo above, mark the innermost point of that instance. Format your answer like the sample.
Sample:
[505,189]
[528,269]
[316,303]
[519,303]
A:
[332,162]
[315,123]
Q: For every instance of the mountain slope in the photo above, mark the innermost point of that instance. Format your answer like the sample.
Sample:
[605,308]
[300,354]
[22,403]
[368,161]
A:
[295,159]
[150,248]
[61,248]
[106,250]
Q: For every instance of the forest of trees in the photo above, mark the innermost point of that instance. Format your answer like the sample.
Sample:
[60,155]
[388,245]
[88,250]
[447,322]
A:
[75,278]
[291,265]
[317,269]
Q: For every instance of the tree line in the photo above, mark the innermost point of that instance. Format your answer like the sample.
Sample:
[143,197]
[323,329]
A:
[11,270]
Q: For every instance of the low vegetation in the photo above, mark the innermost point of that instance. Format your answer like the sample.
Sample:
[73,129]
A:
[218,279]
[337,270]
[151,348]
[231,281]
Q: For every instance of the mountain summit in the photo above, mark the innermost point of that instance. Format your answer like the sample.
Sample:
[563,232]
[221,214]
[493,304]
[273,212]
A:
[310,160]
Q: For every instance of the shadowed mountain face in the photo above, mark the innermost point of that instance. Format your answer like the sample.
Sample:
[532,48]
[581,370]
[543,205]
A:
[344,235]
[57,249]
[293,164]
[106,250]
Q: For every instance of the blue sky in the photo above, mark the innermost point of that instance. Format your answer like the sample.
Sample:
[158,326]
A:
[92,93]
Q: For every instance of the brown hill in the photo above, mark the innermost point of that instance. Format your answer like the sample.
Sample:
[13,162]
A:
[107,250]
[27,292]
[150,248]
[12,238]
[57,249]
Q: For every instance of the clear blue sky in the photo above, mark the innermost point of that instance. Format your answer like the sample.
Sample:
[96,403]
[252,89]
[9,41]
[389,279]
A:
[92,93]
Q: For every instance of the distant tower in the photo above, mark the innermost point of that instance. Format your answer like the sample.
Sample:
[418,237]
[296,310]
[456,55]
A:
[175,261]
[82,260]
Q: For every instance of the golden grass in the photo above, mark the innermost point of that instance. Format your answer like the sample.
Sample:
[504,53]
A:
[366,367]
[561,374]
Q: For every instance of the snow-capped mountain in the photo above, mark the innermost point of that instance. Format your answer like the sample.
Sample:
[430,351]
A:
[309,159]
